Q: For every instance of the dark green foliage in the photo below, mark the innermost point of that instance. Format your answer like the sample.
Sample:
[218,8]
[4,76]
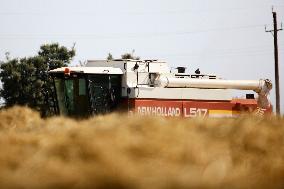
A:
[125,56]
[56,56]
[130,56]
[109,57]
[26,81]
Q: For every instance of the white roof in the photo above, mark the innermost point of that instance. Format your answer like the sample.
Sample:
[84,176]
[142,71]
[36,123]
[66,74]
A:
[90,70]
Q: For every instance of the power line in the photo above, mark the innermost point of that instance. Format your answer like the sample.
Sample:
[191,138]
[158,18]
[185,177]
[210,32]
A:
[198,55]
[129,35]
[163,12]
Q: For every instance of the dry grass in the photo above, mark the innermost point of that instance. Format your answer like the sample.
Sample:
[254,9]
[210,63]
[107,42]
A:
[120,152]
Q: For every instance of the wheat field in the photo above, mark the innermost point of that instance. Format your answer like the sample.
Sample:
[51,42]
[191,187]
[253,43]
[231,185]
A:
[116,151]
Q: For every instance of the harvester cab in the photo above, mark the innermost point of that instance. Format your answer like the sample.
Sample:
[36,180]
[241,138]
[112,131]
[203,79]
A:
[149,87]
[82,91]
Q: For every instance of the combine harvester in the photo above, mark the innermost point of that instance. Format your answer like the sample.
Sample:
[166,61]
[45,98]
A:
[149,88]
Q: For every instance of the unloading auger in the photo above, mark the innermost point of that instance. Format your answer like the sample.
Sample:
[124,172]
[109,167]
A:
[262,87]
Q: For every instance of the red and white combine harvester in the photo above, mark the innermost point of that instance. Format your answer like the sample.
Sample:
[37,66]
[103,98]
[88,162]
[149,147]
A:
[149,88]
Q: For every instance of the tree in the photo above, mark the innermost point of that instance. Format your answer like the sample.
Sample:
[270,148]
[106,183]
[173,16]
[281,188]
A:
[56,56]
[109,56]
[125,56]
[26,81]
[130,56]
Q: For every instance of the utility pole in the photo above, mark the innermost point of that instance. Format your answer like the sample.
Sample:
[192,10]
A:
[275,35]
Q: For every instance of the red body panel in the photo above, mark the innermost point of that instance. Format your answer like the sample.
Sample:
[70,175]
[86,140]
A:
[192,108]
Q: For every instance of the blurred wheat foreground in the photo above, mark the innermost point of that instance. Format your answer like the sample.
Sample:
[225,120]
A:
[120,152]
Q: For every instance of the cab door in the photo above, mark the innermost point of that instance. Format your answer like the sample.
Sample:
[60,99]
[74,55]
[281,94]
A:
[72,96]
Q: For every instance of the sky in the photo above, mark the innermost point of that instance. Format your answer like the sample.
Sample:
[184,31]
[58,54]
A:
[222,37]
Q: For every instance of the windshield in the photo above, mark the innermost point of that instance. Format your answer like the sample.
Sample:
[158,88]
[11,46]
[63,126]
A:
[85,95]
[72,96]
